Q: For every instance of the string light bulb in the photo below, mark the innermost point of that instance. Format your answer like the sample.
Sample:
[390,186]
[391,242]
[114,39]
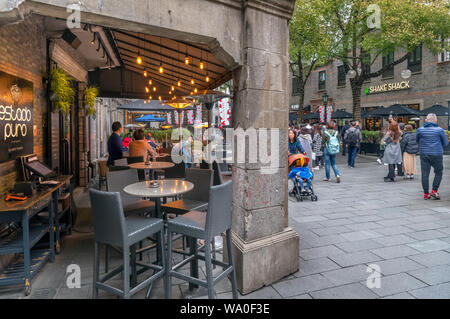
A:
[145,73]
[161,69]
[154,89]
[139,59]
[179,83]
[159,97]
[207,78]
[150,82]
[150,97]
[186,60]
[146,90]
[192,81]
[201,65]
[195,90]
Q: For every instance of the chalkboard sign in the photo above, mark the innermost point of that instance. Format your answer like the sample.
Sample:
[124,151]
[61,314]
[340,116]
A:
[16,117]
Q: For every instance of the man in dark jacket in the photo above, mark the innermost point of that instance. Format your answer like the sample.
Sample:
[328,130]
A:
[344,144]
[115,150]
[353,138]
[432,140]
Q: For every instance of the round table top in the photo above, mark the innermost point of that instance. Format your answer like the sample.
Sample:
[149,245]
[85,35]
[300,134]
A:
[152,165]
[168,187]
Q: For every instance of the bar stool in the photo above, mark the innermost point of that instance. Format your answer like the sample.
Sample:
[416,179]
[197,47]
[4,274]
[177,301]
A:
[205,226]
[112,228]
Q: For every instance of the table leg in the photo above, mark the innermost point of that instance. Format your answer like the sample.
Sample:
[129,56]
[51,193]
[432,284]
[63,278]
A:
[158,245]
[26,252]
[56,219]
[194,263]
[133,266]
[52,212]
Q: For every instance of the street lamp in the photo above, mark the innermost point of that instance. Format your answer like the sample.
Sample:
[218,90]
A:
[325,99]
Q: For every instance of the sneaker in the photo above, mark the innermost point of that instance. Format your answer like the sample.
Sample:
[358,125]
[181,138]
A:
[325,179]
[338,179]
[435,195]
[387,179]
[426,196]
[316,168]
[379,161]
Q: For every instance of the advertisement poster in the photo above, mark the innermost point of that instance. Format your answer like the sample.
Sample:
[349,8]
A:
[16,117]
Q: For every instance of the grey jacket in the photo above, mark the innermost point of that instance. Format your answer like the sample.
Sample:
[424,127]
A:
[392,151]
[305,140]
[358,133]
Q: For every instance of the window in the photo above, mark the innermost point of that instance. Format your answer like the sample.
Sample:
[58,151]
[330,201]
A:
[365,62]
[415,59]
[295,85]
[388,59]
[341,75]
[322,80]
[445,55]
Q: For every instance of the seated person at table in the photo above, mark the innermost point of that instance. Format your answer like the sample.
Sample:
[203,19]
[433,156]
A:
[151,140]
[115,149]
[140,147]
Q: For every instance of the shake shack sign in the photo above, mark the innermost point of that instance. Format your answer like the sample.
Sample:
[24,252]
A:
[387,87]
[16,117]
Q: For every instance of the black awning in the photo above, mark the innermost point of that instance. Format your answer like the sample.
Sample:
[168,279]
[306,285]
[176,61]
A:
[437,109]
[394,110]
[341,114]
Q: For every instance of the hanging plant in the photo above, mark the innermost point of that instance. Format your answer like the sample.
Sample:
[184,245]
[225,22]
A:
[90,95]
[63,92]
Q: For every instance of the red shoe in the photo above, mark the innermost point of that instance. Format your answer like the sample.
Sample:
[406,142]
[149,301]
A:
[426,196]
[435,195]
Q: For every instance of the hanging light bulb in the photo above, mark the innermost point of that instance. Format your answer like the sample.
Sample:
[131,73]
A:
[170,92]
[186,59]
[192,81]
[159,97]
[172,88]
[191,93]
[195,90]
[154,89]
[161,69]
[150,82]
[146,89]
[202,65]
[93,40]
[150,97]
[145,73]
[179,83]
[139,59]
[207,78]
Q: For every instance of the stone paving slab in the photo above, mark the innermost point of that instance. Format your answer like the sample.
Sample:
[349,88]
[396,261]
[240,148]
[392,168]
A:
[351,291]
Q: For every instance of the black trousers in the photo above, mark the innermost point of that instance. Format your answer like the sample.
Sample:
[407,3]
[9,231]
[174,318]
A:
[426,162]
[391,173]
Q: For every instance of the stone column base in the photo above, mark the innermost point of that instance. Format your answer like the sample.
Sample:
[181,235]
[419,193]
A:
[266,260]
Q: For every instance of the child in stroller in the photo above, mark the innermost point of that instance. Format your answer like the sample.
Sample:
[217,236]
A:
[302,178]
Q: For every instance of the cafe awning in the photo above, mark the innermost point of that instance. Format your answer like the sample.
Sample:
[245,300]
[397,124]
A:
[341,114]
[150,118]
[395,110]
[437,109]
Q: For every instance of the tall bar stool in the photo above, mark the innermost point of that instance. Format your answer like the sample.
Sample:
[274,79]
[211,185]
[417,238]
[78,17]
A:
[205,226]
[112,228]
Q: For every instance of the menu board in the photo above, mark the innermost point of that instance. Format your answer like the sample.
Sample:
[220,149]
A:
[16,117]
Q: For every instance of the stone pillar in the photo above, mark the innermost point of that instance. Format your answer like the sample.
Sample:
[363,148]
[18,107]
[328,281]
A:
[266,249]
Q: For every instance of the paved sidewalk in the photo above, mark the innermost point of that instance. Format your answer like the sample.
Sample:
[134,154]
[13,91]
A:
[362,221]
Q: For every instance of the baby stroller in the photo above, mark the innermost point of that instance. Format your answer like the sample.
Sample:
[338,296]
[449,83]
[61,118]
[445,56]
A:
[302,178]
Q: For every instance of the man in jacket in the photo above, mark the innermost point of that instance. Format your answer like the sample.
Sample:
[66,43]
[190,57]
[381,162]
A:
[353,138]
[344,144]
[115,149]
[432,140]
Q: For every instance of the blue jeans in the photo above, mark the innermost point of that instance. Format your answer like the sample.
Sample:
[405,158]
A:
[330,159]
[352,152]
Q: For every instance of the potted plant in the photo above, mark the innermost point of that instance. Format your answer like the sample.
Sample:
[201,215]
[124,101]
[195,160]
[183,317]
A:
[62,91]
[370,142]
[90,95]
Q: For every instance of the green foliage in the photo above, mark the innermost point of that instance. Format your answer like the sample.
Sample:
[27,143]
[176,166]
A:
[90,95]
[372,137]
[448,134]
[61,85]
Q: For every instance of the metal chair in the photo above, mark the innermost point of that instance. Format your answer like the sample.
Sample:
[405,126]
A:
[137,159]
[118,168]
[197,198]
[102,170]
[112,228]
[217,174]
[204,226]
[121,162]
[177,171]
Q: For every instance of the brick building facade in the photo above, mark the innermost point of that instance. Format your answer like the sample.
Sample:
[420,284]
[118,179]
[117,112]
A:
[429,84]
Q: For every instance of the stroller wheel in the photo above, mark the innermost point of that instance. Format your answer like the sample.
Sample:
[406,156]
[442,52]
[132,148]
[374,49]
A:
[314,198]
[299,197]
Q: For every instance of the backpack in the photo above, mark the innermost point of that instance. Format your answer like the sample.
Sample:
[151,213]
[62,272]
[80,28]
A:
[352,137]
[333,143]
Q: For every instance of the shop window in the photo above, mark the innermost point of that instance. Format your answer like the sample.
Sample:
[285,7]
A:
[388,59]
[365,62]
[445,55]
[341,75]
[415,59]
[322,80]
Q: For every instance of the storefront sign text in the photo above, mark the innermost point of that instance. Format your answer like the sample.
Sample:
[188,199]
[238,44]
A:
[387,87]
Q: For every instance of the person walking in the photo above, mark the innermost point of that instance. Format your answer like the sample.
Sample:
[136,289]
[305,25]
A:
[383,132]
[330,143]
[353,138]
[344,143]
[317,146]
[432,140]
[409,149]
[115,148]
[305,140]
[392,152]
[294,145]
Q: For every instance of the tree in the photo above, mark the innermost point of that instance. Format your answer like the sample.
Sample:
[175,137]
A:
[308,46]
[364,30]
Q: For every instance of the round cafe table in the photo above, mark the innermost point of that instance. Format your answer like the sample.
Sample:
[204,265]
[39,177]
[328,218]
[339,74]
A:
[167,188]
[151,165]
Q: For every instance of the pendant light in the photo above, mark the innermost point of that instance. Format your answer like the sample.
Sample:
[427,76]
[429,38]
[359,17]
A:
[145,73]
[192,81]
[161,69]
[186,58]
[150,82]
[207,78]
[146,89]
[139,59]
[154,89]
